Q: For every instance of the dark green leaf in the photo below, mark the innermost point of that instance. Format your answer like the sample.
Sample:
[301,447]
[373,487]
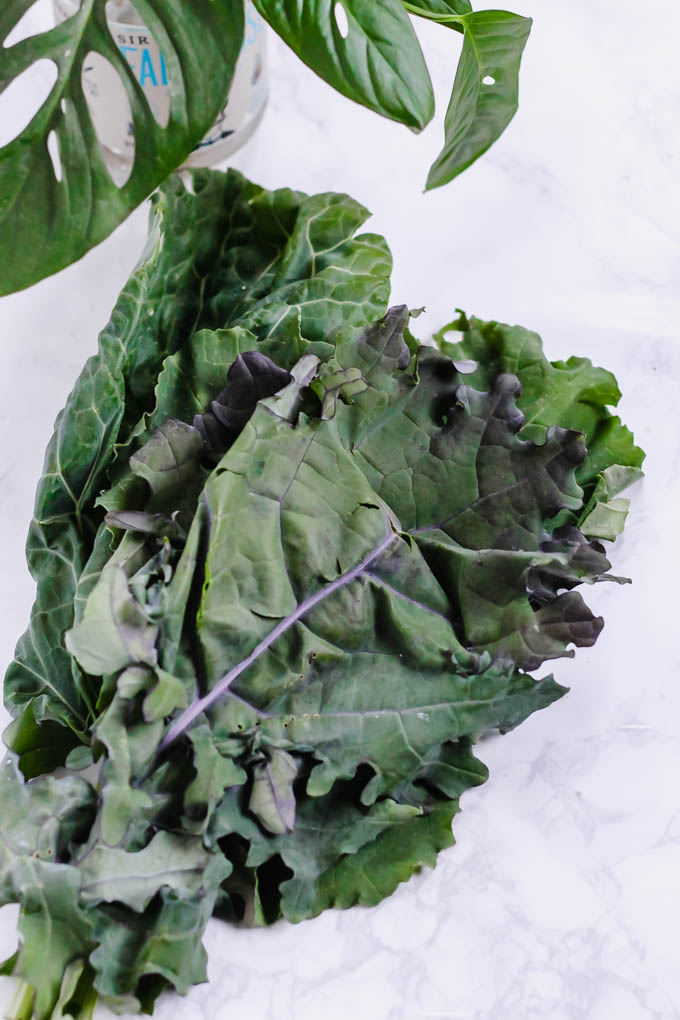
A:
[439,9]
[164,941]
[54,930]
[341,853]
[114,632]
[41,674]
[190,379]
[573,393]
[485,91]
[59,220]
[324,831]
[378,62]
[179,863]
[453,769]
[215,773]
[39,821]
[130,744]
[378,867]
[297,564]
[230,250]
[169,462]
[40,746]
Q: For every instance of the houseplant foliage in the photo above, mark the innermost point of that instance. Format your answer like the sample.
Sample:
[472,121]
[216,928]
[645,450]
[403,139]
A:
[377,62]
[290,565]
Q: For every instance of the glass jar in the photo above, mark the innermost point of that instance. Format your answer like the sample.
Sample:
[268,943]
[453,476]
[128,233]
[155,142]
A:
[109,107]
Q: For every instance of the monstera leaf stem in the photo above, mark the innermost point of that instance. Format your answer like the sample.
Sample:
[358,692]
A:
[189,716]
[454,20]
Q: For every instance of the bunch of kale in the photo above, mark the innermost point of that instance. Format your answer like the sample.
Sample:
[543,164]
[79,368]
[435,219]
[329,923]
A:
[290,566]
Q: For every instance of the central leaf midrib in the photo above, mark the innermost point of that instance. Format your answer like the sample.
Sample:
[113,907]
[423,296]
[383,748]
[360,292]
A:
[201,705]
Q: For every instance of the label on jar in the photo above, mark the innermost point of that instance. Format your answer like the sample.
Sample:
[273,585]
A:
[109,106]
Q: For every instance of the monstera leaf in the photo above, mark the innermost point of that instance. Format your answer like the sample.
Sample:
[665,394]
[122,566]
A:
[377,61]
[57,196]
[485,92]
[58,220]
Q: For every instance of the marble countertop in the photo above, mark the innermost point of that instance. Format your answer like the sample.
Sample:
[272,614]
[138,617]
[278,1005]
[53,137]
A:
[561,899]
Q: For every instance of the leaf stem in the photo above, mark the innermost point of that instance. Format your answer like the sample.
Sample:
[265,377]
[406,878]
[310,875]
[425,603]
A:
[21,1006]
[88,1007]
[201,705]
[454,20]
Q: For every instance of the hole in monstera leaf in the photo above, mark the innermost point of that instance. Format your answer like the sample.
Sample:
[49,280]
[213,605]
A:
[24,97]
[34,21]
[111,118]
[53,150]
[341,20]
[488,80]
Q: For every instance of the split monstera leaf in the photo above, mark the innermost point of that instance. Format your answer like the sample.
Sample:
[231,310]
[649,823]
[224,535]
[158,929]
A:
[291,564]
[373,58]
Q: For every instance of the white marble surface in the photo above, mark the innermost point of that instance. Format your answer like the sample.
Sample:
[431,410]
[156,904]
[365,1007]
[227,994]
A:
[561,900]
